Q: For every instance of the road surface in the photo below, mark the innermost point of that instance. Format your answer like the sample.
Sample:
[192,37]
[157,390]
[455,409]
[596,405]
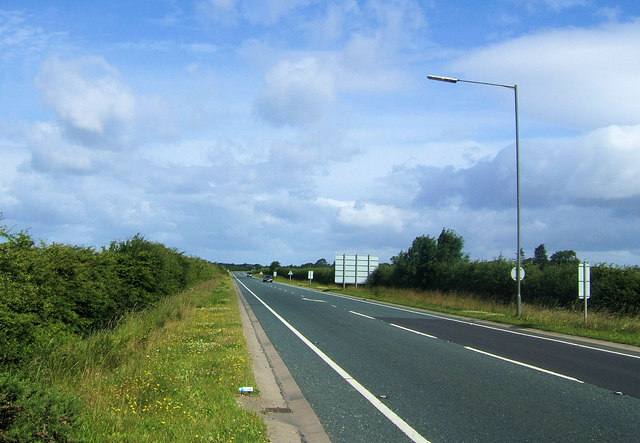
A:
[374,372]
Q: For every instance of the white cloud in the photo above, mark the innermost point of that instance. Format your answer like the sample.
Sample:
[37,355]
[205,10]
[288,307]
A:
[296,93]
[333,24]
[51,152]
[587,170]
[366,215]
[599,166]
[579,78]
[86,93]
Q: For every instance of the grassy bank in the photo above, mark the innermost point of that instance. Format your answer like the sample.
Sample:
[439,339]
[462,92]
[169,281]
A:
[170,373]
[602,326]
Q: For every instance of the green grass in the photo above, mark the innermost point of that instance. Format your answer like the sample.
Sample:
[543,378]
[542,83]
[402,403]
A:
[170,373]
[600,325]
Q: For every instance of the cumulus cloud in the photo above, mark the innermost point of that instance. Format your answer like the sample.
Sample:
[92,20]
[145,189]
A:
[86,94]
[296,93]
[600,166]
[575,77]
[490,184]
[51,152]
[589,170]
[365,215]
[332,25]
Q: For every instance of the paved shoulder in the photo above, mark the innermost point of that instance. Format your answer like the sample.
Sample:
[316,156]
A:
[289,417]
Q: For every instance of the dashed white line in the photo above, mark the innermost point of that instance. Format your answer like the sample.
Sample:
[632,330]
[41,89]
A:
[362,315]
[314,299]
[412,330]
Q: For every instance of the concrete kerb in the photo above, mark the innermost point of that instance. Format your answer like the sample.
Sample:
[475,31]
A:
[279,393]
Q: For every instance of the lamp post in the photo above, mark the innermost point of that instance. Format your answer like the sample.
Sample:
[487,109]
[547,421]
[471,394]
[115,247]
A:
[515,93]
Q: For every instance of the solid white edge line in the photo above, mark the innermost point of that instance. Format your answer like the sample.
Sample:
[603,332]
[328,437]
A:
[412,330]
[392,416]
[546,371]
[362,315]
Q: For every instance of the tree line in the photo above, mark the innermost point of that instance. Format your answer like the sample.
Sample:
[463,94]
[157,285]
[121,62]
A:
[440,264]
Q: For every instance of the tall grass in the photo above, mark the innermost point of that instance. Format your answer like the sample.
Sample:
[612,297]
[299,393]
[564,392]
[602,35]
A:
[170,373]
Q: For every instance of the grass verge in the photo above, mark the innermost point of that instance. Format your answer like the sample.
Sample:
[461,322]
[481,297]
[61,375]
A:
[600,325]
[170,373]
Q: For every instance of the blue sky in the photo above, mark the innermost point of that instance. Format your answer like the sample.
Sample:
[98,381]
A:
[292,130]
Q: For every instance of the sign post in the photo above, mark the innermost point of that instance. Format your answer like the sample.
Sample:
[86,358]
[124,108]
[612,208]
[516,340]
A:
[310,276]
[290,274]
[584,285]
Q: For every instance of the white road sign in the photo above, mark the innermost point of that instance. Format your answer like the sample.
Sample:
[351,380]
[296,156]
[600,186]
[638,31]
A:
[513,274]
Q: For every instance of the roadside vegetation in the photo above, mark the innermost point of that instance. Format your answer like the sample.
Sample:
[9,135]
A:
[135,342]
[170,373]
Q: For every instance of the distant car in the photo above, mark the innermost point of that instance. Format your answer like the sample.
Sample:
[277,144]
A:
[249,274]
[268,279]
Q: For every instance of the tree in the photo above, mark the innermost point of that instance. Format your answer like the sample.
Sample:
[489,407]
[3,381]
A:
[564,257]
[449,246]
[422,257]
[322,263]
[274,266]
[540,256]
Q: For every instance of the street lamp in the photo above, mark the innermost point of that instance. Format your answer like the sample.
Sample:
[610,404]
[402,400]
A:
[515,93]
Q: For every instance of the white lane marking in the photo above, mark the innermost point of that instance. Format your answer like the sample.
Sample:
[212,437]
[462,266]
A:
[362,315]
[480,325]
[392,416]
[412,330]
[546,371]
[312,299]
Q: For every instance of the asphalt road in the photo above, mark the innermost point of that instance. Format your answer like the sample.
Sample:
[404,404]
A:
[374,372]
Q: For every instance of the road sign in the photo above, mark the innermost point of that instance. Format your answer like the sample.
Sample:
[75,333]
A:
[584,280]
[584,285]
[513,274]
[310,275]
[354,268]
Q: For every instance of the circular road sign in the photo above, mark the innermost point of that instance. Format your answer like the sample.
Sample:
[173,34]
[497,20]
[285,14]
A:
[513,274]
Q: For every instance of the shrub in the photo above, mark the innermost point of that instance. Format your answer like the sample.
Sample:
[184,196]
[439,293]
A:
[30,413]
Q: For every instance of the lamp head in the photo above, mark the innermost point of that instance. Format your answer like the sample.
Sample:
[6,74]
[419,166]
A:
[442,79]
